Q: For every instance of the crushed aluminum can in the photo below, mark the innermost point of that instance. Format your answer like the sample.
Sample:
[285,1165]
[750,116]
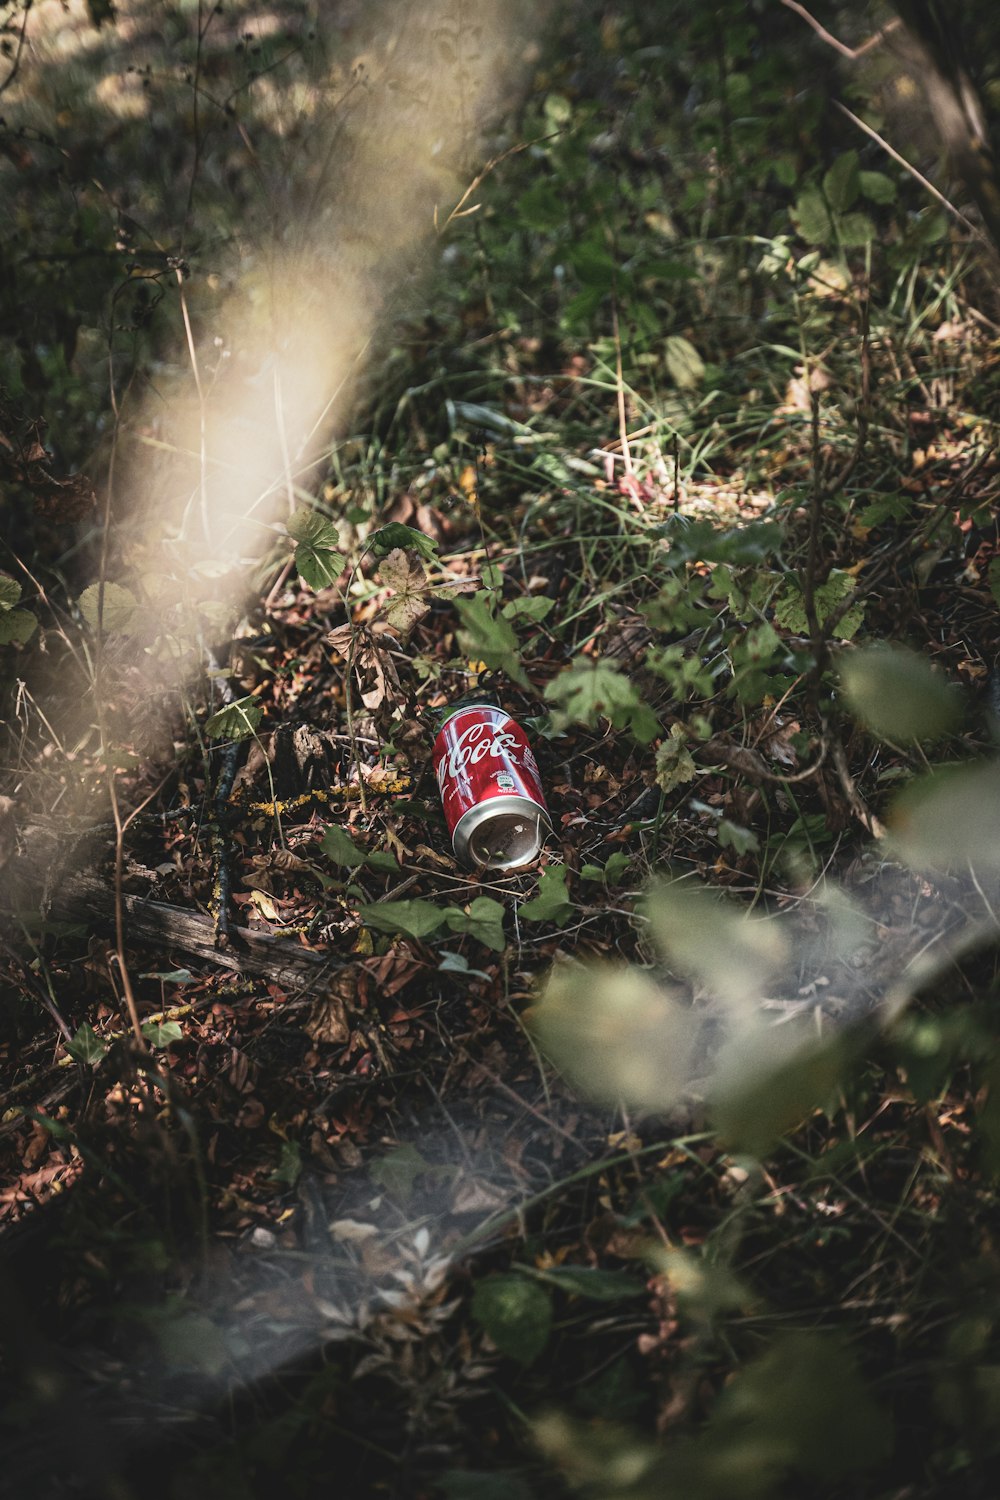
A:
[490,787]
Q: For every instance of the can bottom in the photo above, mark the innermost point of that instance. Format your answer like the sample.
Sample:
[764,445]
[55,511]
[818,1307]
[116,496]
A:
[502,833]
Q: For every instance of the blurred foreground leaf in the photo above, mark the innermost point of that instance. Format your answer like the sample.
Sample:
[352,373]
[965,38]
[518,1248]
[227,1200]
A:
[950,818]
[768,1080]
[898,695]
[731,953]
[516,1313]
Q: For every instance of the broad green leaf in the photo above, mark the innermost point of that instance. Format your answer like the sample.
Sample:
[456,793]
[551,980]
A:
[118,609]
[312,527]
[395,534]
[841,182]
[594,1284]
[162,1033]
[516,1313]
[855,229]
[16,626]
[588,690]
[552,904]
[733,836]
[710,938]
[415,918]
[457,963]
[383,862]
[950,818]
[319,567]
[877,187]
[898,695]
[674,763]
[86,1046]
[10,591]
[484,921]
[812,217]
[236,721]
[489,638]
[684,364]
[617,1034]
[768,1083]
[341,848]
[532,607]
[169,976]
[397,1172]
[612,872]
[789,608]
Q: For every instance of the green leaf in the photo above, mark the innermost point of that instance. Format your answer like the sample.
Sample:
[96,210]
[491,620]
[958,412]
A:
[395,534]
[754,1100]
[415,918]
[841,182]
[289,1168]
[16,626]
[950,818]
[588,690]
[516,1313]
[382,861]
[591,1282]
[118,611]
[685,365]
[733,836]
[877,187]
[457,963]
[855,229]
[552,904]
[10,591]
[341,848]
[490,638]
[812,217]
[532,607]
[898,695]
[789,608]
[484,921]
[86,1046]
[162,1033]
[397,1172]
[312,527]
[236,721]
[319,567]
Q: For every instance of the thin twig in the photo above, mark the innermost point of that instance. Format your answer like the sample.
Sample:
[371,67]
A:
[851,53]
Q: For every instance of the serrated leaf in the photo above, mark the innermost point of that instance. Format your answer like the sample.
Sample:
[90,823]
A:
[489,638]
[593,1283]
[483,921]
[10,591]
[877,187]
[341,848]
[16,626]
[86,1046]
[414,918]
[588,690]
[674,762]
[855,230]
[312,527]
[319,567]
[898,695]
[532,607]
[841,182]
[812,217]
[236,721]
[789,607]
[685,365]
[117,610]
[552,904]
[395,534]
[162,1033]
[516,1313]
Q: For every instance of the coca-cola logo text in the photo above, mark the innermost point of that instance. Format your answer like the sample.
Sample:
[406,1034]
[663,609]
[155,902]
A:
[473,745]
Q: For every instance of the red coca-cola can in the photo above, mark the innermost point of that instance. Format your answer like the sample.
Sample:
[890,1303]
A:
[489,783]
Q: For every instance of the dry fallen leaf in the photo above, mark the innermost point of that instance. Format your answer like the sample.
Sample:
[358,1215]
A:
[328,1022]
[403,572]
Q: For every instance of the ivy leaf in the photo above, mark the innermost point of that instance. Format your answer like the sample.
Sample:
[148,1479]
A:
[395,534]
[588,690]
[552,904]
[16,626]
[685,365]
[674,763]
[483,920]
[516,1313]
[341,848]
[402,571]
[119,607]
[162,1033]
[10,591]
[236,721]
[489,638]
[86,1046]
[415,918]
